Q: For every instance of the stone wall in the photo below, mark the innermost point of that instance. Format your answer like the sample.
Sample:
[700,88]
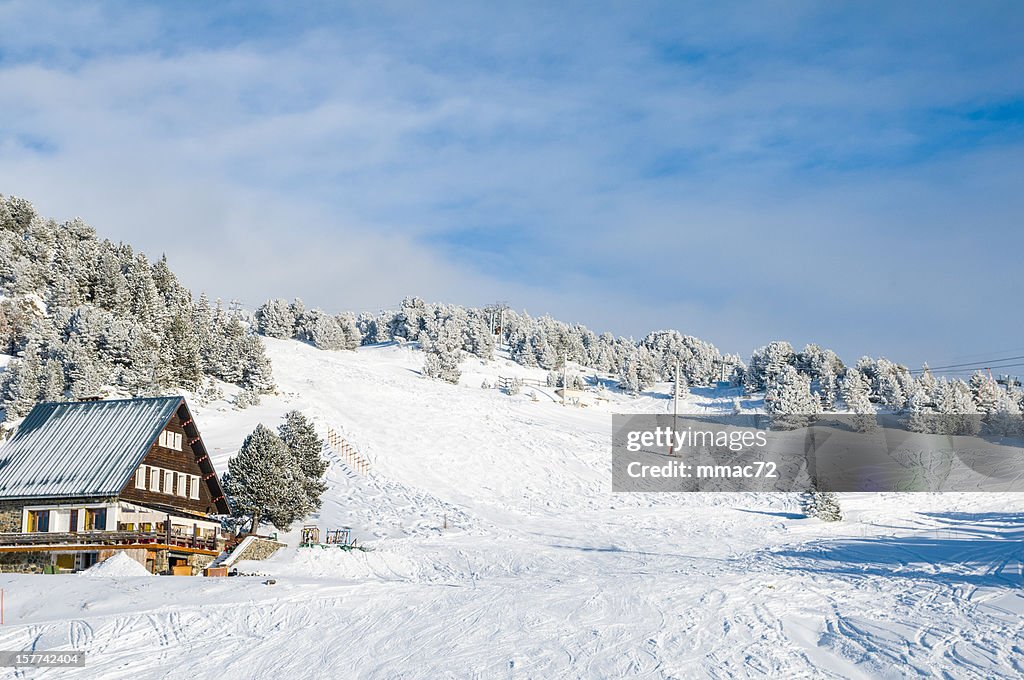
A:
[260,549]
[24,562]
[199,562]
[10,515]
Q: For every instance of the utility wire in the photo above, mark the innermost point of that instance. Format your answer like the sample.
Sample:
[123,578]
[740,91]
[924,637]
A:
[970,365]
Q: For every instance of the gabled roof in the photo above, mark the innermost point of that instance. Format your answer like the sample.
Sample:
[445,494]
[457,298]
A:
[87,448]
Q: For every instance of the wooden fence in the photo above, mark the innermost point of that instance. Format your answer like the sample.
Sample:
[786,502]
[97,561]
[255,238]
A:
[348,454]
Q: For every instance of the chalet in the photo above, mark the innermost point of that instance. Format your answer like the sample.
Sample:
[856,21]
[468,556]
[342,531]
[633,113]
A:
[81,480]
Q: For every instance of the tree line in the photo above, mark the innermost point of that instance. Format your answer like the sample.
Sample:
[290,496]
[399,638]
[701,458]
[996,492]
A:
[87,317]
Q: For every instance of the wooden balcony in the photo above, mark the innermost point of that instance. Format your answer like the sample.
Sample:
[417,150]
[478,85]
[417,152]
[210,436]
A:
[86,540]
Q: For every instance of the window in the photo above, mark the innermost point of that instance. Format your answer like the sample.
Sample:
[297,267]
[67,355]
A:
[170,440]
[168,486]
[141,477]
[194,489]
[95,519]
[180,489]
[38,520]
[73,521]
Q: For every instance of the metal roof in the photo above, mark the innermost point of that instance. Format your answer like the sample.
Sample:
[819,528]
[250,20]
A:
[88,448]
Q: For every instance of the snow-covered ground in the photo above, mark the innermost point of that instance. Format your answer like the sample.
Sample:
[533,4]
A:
[499,551]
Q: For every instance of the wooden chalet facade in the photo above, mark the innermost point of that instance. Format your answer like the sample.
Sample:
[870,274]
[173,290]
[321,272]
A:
[82,480]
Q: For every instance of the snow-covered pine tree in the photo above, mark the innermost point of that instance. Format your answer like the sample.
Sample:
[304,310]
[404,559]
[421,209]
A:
[854,390]
[257,371]
[274,318]
[522,352]
[986,393]
[299,435]
[181,361]
[442,343]
[22,383]
[322,330]
[928,382]
[410,320]
[542,350]
[766,363]
[890,384]
[263,482]
[1006,421]
[957,413]
[297,310]
[479,339]
[921,412]
[636,371]
[823,505]
[789,400]
[144,301]
[350,331]
[53,382]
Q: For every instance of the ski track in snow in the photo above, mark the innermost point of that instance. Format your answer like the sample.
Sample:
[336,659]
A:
[542,572]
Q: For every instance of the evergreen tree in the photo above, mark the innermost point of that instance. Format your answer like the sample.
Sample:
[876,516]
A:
[257,372]
[53,382]
[263,483]
[928,382]
[323,331]
[767,363]
[181,361]
[1006,420]
[890,384]
[823,505]
[275,319]
[922,413]
[986,393]
[789,399]
[855,394]
[305,445]
[957,413]
[636,371]
[353,338]
[22,384]
[443,351]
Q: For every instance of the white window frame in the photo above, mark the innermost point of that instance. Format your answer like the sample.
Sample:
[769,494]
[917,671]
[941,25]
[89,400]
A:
[170,440]
[168,482]
[142,477]
[194,488]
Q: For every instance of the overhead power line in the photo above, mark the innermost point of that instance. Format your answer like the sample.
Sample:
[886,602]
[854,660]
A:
[991,363]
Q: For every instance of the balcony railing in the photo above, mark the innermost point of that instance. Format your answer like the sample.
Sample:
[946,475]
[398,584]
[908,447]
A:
[174,538]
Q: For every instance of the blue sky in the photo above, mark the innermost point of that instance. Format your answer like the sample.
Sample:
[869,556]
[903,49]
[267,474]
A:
[845,173]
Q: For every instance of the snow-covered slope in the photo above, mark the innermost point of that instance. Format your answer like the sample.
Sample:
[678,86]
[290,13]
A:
[498,550]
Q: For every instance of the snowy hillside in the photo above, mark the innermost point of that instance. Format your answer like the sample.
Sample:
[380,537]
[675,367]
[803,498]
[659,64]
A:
[499,551]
